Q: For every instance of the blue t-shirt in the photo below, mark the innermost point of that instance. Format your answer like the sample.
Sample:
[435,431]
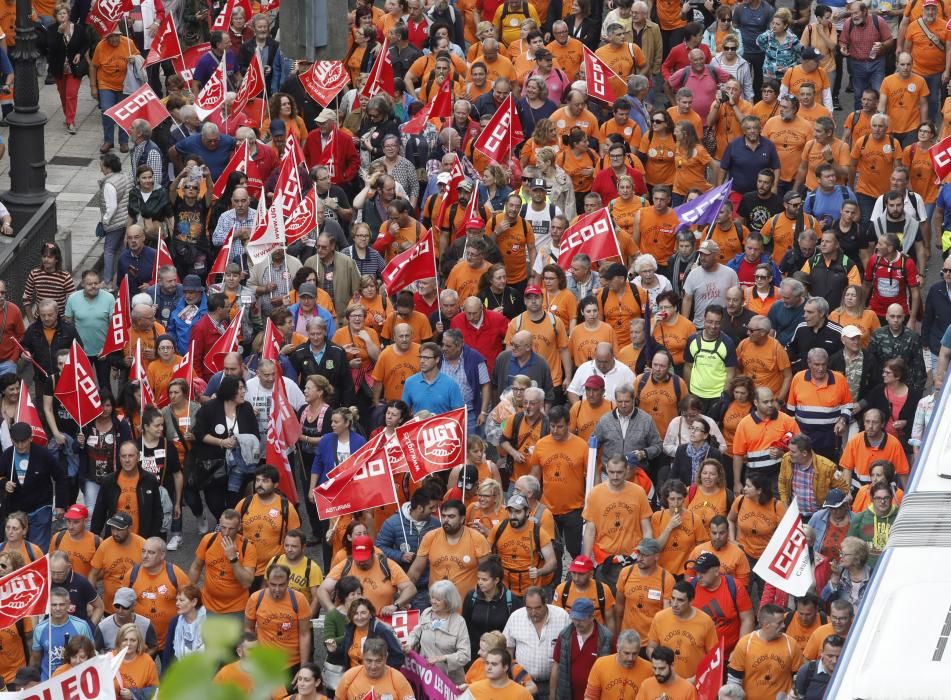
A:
[944,202]
[440,396]
[743,164]
[53,649]
[826,207]
[216,160]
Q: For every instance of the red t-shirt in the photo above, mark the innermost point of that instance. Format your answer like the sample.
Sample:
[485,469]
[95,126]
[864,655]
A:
[719,605]
[890,282]
[746,272]
[582,660]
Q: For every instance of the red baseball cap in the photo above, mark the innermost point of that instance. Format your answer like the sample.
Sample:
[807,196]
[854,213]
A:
[362,548]
[581,565]
[475,223]
[77,511]
[532,289]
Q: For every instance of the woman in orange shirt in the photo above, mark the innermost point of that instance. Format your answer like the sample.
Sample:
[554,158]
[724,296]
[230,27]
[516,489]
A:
[558,299]
[284,107]
[677,529]
[736,404]
[708,496]
[671,328]
[763,294]
[545,134]
[690,164]
[361,344]
[138,670]
[921,174]
[657,150]
[852,312]
[161,368]
[484,515]
[755,516]
[15,530]
[578,161]
[589,330]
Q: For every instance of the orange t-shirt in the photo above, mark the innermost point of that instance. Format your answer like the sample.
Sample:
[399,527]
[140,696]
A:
[488,520]
[690,116]
[690,639]
[674,337]
[403,238]
[812,156]
[619,312]
[669,14]
[591,593]
[926,58]
[608,680]
[868,323]
[728,126]
[454,562]
[707,507]
[517,551]
[659,168]
[379,590]
[222,593]
[574,164]
[548,338]
[562,304]
[660,400]
[921,172]
[513,245]
[644,596]
[263,524]
[113,561]
[501,67]
[814,645]
[800,632]
[561,469]
[14,657]
[356,686]
[277,623]
[657,233]
[781,230]
[902,99]
[765,111]
[859,126]
[393,368]
[682,539]
[140,673]
[768,667]
[565,122]
[464,279]
[624,214]
[80,552]
[568,56]
[875,161]
[789,138]
[735,412]
[759,305]
[583,341]
[156,595]
[733,561]
[617,518]
[344,337]
[796,76]
[528,436]
[755,523]
[418,323]
[630,131]
[625,60]
[128,499]
[764,364]
[583,417]
[111,63]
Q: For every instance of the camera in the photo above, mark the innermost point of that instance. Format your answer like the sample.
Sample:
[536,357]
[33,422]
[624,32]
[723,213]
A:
[723,97]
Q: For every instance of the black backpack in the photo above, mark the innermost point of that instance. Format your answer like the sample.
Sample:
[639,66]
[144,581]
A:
[285,508]
[384,567]
[599,587]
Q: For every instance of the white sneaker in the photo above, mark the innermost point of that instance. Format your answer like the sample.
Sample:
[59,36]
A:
[174,542]
[203,525]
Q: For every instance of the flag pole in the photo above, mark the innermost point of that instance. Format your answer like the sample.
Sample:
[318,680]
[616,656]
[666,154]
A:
[399,506]
[74,358]
[436,277]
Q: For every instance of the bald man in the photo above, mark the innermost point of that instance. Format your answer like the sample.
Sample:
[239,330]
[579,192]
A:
[482,329]
[603,365]
[395,364]
[137,261]
[521,359]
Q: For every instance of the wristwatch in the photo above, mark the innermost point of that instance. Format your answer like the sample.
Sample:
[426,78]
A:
[234,560]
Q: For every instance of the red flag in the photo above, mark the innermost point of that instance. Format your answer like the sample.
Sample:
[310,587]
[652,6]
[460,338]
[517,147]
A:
[456,177]
[105,14]
[212,96]
[418,122]
[228,342]
[361,481]
[402,622]
[141,104]
[941,157]
[381,75]
[502,134]
[328,156]
[27,413]
[415,263]
[162,259]
[592,234]
[287,190]
[183,370]
[324,80]
[119,322]
[186,64]
[434,444]
[223,20]
[25,592]
[268,233]
[303,220]
[137,374]
[165,44]
[237,163]
[271,349]
[283,430]
[251,86]
[709,676]
[442,101]
[76,388]
[221,262]
[597,76]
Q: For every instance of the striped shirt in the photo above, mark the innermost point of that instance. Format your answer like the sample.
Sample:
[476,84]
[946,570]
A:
[817,407]
[48,285]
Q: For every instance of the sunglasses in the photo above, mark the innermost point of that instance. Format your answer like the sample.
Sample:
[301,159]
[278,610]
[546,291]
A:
[729,48]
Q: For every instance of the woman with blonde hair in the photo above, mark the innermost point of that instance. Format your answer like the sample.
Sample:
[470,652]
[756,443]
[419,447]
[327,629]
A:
[15,531]
[488,511]
[375,304]
[561,191]
[544,135]
[337,445]
[534,105]
[138,670]
[853,312]
[780,44]
[690,163]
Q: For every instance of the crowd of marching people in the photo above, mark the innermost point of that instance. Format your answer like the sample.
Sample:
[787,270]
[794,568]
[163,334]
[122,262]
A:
[677,289]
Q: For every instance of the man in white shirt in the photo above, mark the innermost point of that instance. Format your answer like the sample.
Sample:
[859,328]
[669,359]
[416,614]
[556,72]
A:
[605,366]
[259,392]
[531,633]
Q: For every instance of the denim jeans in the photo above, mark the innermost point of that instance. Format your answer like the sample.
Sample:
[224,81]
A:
[108,99]
[41,523]
[934,95]
[866,74]
[90,496]
[8,367]
[111,245]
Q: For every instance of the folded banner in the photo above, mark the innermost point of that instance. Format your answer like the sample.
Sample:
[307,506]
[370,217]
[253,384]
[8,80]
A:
[25,592]
[703,210]
[785,561]
[434,444]
[592,234]
[324,81]
[428,680]
[710,673]
[90,680]
[141,104]
[941,158]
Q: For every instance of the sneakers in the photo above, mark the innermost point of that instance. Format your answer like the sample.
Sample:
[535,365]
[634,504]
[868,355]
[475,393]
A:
[174,542]
[71,128]
[203,525]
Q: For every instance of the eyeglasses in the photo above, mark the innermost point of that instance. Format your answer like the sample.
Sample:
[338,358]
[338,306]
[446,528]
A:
[946,269]
[658,121]
[427,357]
[730,48]
[121,607]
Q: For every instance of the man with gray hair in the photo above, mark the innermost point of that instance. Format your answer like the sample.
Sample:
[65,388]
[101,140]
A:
[319,356]
[146,152]
[521,359]
[625,668]
[786,315]
[815,331]
[210,144]
[468,368]
[627,430]
[260,390]
[820,401]
[638,87]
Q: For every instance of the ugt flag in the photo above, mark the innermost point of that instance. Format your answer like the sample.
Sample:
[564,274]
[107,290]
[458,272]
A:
[785,561]
[703,210]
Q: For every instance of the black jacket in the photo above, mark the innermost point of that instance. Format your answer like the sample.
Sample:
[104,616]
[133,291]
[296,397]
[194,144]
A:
[830,281]
[306,105]
[937,316]
[805,339]
[377,630]
[37,488]
[246,53]
[871,374]
[333,366]
[682,468]
[482,615]
[59,52]
[34,340]
[877,399]
[149,504]
[588,32]
[210,420]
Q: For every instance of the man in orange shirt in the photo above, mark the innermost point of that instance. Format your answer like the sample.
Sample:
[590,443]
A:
[280,617]
[107,71]
[266,517]
[753,442]
[904,98]
[401,229]
[584,414]
[385,583]
[558,461]
[733,561]
[874,156]
[823,148]
[115,556]
[451,552]
[789,133]
[622,57]
[764,661]
[373,678]
[575,114]
[619,676]
[690,632]
[655,227]
[782,230]
[466,274]
[929,59]
[156,583]
[809,108]
[870,445]
[549,338]
[808,71]
[620,302]
[723,599]
[764,359]
[230,561]
[515,239]
[568,51]
[581,584]
[76,540]
[665,683]
[526,561]
[643,589]
[682,110]
[496,65]
[395,364]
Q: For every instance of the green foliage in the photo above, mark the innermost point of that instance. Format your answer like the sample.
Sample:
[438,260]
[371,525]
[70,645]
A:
[192,678]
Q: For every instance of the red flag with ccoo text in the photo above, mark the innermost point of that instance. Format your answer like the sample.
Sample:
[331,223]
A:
[415,263]
[381,75]
[27,413]
[141,104]
[597,77]
[165,45]
[502,134]
[117,335]
[941,158]
[76,388]
[360,482]
[592,234]
[228,342]
[25,592]
[223,20]
[434,444]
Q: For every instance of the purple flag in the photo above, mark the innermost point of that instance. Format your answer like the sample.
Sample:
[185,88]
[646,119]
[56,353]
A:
[703,210]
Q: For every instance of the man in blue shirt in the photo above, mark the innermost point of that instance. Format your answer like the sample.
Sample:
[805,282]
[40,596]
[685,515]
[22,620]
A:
[137,261]
[430,389]
[825,202]
[208,63]
[51,635]
[746,156]
[211,145]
